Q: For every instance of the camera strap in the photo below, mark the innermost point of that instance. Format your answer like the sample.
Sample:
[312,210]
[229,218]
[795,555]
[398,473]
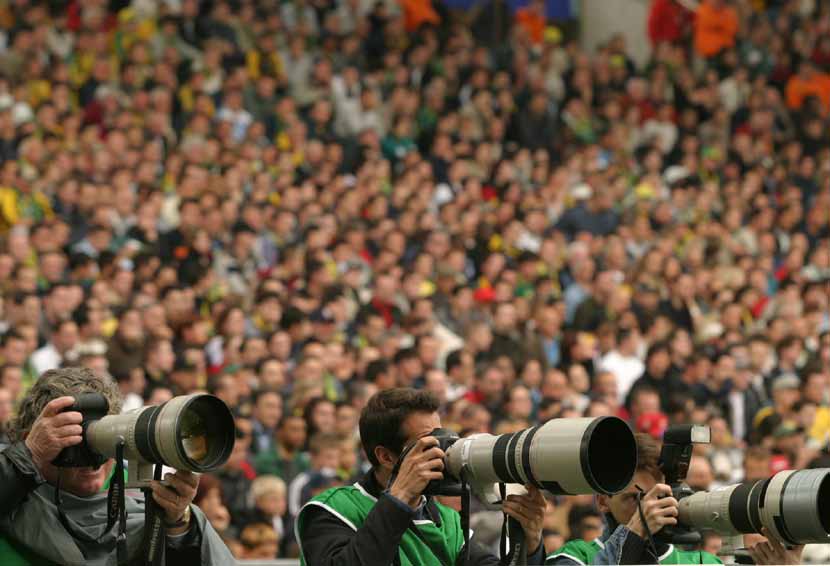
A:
[155,535]
[516,555]
[465,515]
[117,504]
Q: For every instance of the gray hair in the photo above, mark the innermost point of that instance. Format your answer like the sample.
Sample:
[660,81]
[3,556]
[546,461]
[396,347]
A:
[61,382]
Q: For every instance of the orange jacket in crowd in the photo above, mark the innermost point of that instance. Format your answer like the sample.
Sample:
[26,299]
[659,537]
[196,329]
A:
[716,25]
[532,22]
[418,12]
[800,88]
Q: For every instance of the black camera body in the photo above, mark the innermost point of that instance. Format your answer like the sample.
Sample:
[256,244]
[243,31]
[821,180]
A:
[675,456]
[93,406]
[448,486]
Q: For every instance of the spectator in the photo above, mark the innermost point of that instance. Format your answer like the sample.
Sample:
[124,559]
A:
[51,355]
[209,499]
[260,541]
[624,362]
[324,450]
[266,414]
[286,459]
[716,25]
[271,508]
[808,82]
[668,22]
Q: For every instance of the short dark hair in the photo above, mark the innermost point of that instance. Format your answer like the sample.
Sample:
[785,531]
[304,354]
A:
[382,418]
[454,360]
[10,335]
[376,368]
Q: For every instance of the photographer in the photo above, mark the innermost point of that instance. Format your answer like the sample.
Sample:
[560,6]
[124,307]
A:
[33,529]
[375,523]
[625,540]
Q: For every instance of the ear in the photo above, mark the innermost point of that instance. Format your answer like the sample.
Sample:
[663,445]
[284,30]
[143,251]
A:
[602,503]
[386,458]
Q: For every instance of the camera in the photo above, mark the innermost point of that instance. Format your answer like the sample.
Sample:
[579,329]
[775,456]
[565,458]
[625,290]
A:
[562,456]
[675,456]
[794,505]
[189,432]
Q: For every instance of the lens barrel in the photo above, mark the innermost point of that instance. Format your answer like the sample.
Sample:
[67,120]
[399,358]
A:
[793,505]
[563,456]
[189,432]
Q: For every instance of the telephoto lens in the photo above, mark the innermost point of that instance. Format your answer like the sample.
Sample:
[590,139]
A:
[793,505]
[562,456]
[190,432]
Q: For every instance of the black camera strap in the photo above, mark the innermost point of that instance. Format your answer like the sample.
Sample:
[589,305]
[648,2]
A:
[117,504]
[465,516]
[652,547]
[155,535]
[516,555]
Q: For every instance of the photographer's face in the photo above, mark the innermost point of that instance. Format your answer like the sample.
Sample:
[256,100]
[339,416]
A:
[414,426]
[624,504]
[82,482]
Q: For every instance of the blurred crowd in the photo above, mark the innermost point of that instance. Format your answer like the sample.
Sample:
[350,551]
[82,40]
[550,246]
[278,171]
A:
[293,204]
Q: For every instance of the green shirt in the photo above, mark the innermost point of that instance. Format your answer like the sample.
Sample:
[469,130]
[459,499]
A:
[270,462]
[583,552]
[352,504]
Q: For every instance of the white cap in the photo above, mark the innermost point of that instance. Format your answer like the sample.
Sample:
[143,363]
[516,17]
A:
[22,113]
[582,191]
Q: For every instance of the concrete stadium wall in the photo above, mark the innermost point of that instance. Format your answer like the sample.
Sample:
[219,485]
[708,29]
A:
[600,19]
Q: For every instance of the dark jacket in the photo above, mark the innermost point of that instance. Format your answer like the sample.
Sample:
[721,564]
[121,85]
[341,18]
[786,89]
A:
[328,541]
[29,523]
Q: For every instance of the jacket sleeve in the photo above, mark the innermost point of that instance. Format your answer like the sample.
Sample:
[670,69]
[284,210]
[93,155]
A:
[201,544]
[622,547]
[18,476]
[327,540]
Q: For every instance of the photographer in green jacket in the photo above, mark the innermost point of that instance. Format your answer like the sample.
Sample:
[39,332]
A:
[625,539]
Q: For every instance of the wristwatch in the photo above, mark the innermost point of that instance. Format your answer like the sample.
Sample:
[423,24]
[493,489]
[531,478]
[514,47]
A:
[183,520]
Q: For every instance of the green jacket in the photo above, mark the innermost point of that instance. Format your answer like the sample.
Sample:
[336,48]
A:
[352,504]
[582,552]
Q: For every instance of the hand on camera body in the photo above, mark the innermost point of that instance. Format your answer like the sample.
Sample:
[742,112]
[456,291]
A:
[53,431]
[424,463]
[659,510]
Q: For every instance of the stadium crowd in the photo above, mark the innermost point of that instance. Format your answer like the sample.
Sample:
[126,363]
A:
[293,204]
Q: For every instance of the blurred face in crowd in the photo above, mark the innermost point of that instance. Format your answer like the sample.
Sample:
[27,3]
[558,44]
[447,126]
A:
[268,409]
[491,383]
[327,458]
[644,402]
[756,468]
[324,416]
[15,352]
[292,433]
[520,405]
[11,379]
[215,511]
